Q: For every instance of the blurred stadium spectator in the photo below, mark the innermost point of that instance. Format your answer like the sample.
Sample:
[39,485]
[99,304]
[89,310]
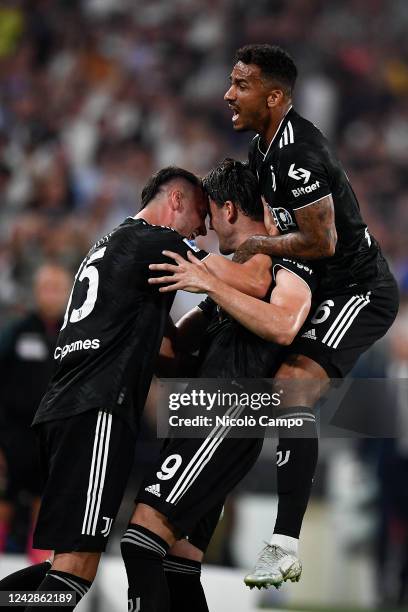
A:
[392,551]
[26,363]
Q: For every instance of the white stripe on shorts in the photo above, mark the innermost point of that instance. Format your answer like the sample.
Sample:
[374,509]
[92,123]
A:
[202,457]
[344,319]
[361,306]
[97,472]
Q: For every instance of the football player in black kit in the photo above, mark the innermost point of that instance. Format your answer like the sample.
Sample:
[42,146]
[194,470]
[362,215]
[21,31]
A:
[105,356]
[317,217]
[183,495]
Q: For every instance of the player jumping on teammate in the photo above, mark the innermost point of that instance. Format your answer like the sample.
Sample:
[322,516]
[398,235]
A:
[317,215]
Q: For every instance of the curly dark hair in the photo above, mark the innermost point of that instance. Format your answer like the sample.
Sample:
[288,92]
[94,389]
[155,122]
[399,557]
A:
[234,180]
[163,176]
[275,63]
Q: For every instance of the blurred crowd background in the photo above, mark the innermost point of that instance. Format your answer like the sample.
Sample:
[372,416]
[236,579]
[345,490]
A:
[95,95]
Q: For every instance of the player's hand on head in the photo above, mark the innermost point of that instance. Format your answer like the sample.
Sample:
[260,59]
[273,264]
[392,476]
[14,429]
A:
[269,220]
[189,275]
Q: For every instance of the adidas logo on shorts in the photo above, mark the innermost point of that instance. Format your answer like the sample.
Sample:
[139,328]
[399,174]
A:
[155,489]
[311,334]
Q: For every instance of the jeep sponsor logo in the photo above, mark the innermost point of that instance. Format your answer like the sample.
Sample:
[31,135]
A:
[80,345]
[305,190]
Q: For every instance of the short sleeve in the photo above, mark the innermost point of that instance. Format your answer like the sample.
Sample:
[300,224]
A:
[303,174]
[301,268]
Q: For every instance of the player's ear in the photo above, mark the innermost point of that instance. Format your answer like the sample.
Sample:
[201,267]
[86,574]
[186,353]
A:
[232,212]
[176,199]
[275,98]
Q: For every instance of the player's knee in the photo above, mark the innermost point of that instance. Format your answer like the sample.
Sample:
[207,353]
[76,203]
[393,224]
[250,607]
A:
[301,381]
[82,564]
[299,367]
[146,516]
[153,520]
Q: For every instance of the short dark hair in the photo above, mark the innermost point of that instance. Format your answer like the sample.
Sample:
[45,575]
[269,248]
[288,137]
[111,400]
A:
[234,180]
[163,176]
[274,62]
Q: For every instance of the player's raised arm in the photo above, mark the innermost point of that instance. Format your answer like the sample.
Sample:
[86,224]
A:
[316,237]
[278,321]
[253,277]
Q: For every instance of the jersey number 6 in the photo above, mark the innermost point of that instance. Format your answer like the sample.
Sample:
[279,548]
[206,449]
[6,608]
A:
[86,270]
[323,312]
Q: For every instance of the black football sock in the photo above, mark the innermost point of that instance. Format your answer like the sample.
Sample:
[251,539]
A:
[143,552]
[184,582]
[27,579]
[64,583]
[296,465]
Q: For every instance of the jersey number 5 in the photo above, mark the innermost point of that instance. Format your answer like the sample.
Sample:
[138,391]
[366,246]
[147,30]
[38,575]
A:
[86,270]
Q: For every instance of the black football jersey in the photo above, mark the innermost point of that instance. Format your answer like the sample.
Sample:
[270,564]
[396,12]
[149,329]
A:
[113,325]
[230,350]
[299,168]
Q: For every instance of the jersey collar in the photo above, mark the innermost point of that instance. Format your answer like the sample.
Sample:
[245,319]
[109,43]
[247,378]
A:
[144,222]
[280,126]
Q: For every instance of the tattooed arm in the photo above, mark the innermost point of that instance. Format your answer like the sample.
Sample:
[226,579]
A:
[315,239]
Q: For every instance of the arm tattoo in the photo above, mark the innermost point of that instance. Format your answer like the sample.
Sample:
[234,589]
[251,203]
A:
[315,239]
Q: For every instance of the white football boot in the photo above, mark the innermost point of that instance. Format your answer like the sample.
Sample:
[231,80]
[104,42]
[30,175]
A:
[273,567]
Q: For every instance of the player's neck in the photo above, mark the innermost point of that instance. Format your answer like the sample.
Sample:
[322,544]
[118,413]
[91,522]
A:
[155,216]
[251,228]
[270,130]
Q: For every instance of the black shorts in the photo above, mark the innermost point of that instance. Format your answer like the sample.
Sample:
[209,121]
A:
[203,532]
[193,477]
[342,327]
[87,459]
